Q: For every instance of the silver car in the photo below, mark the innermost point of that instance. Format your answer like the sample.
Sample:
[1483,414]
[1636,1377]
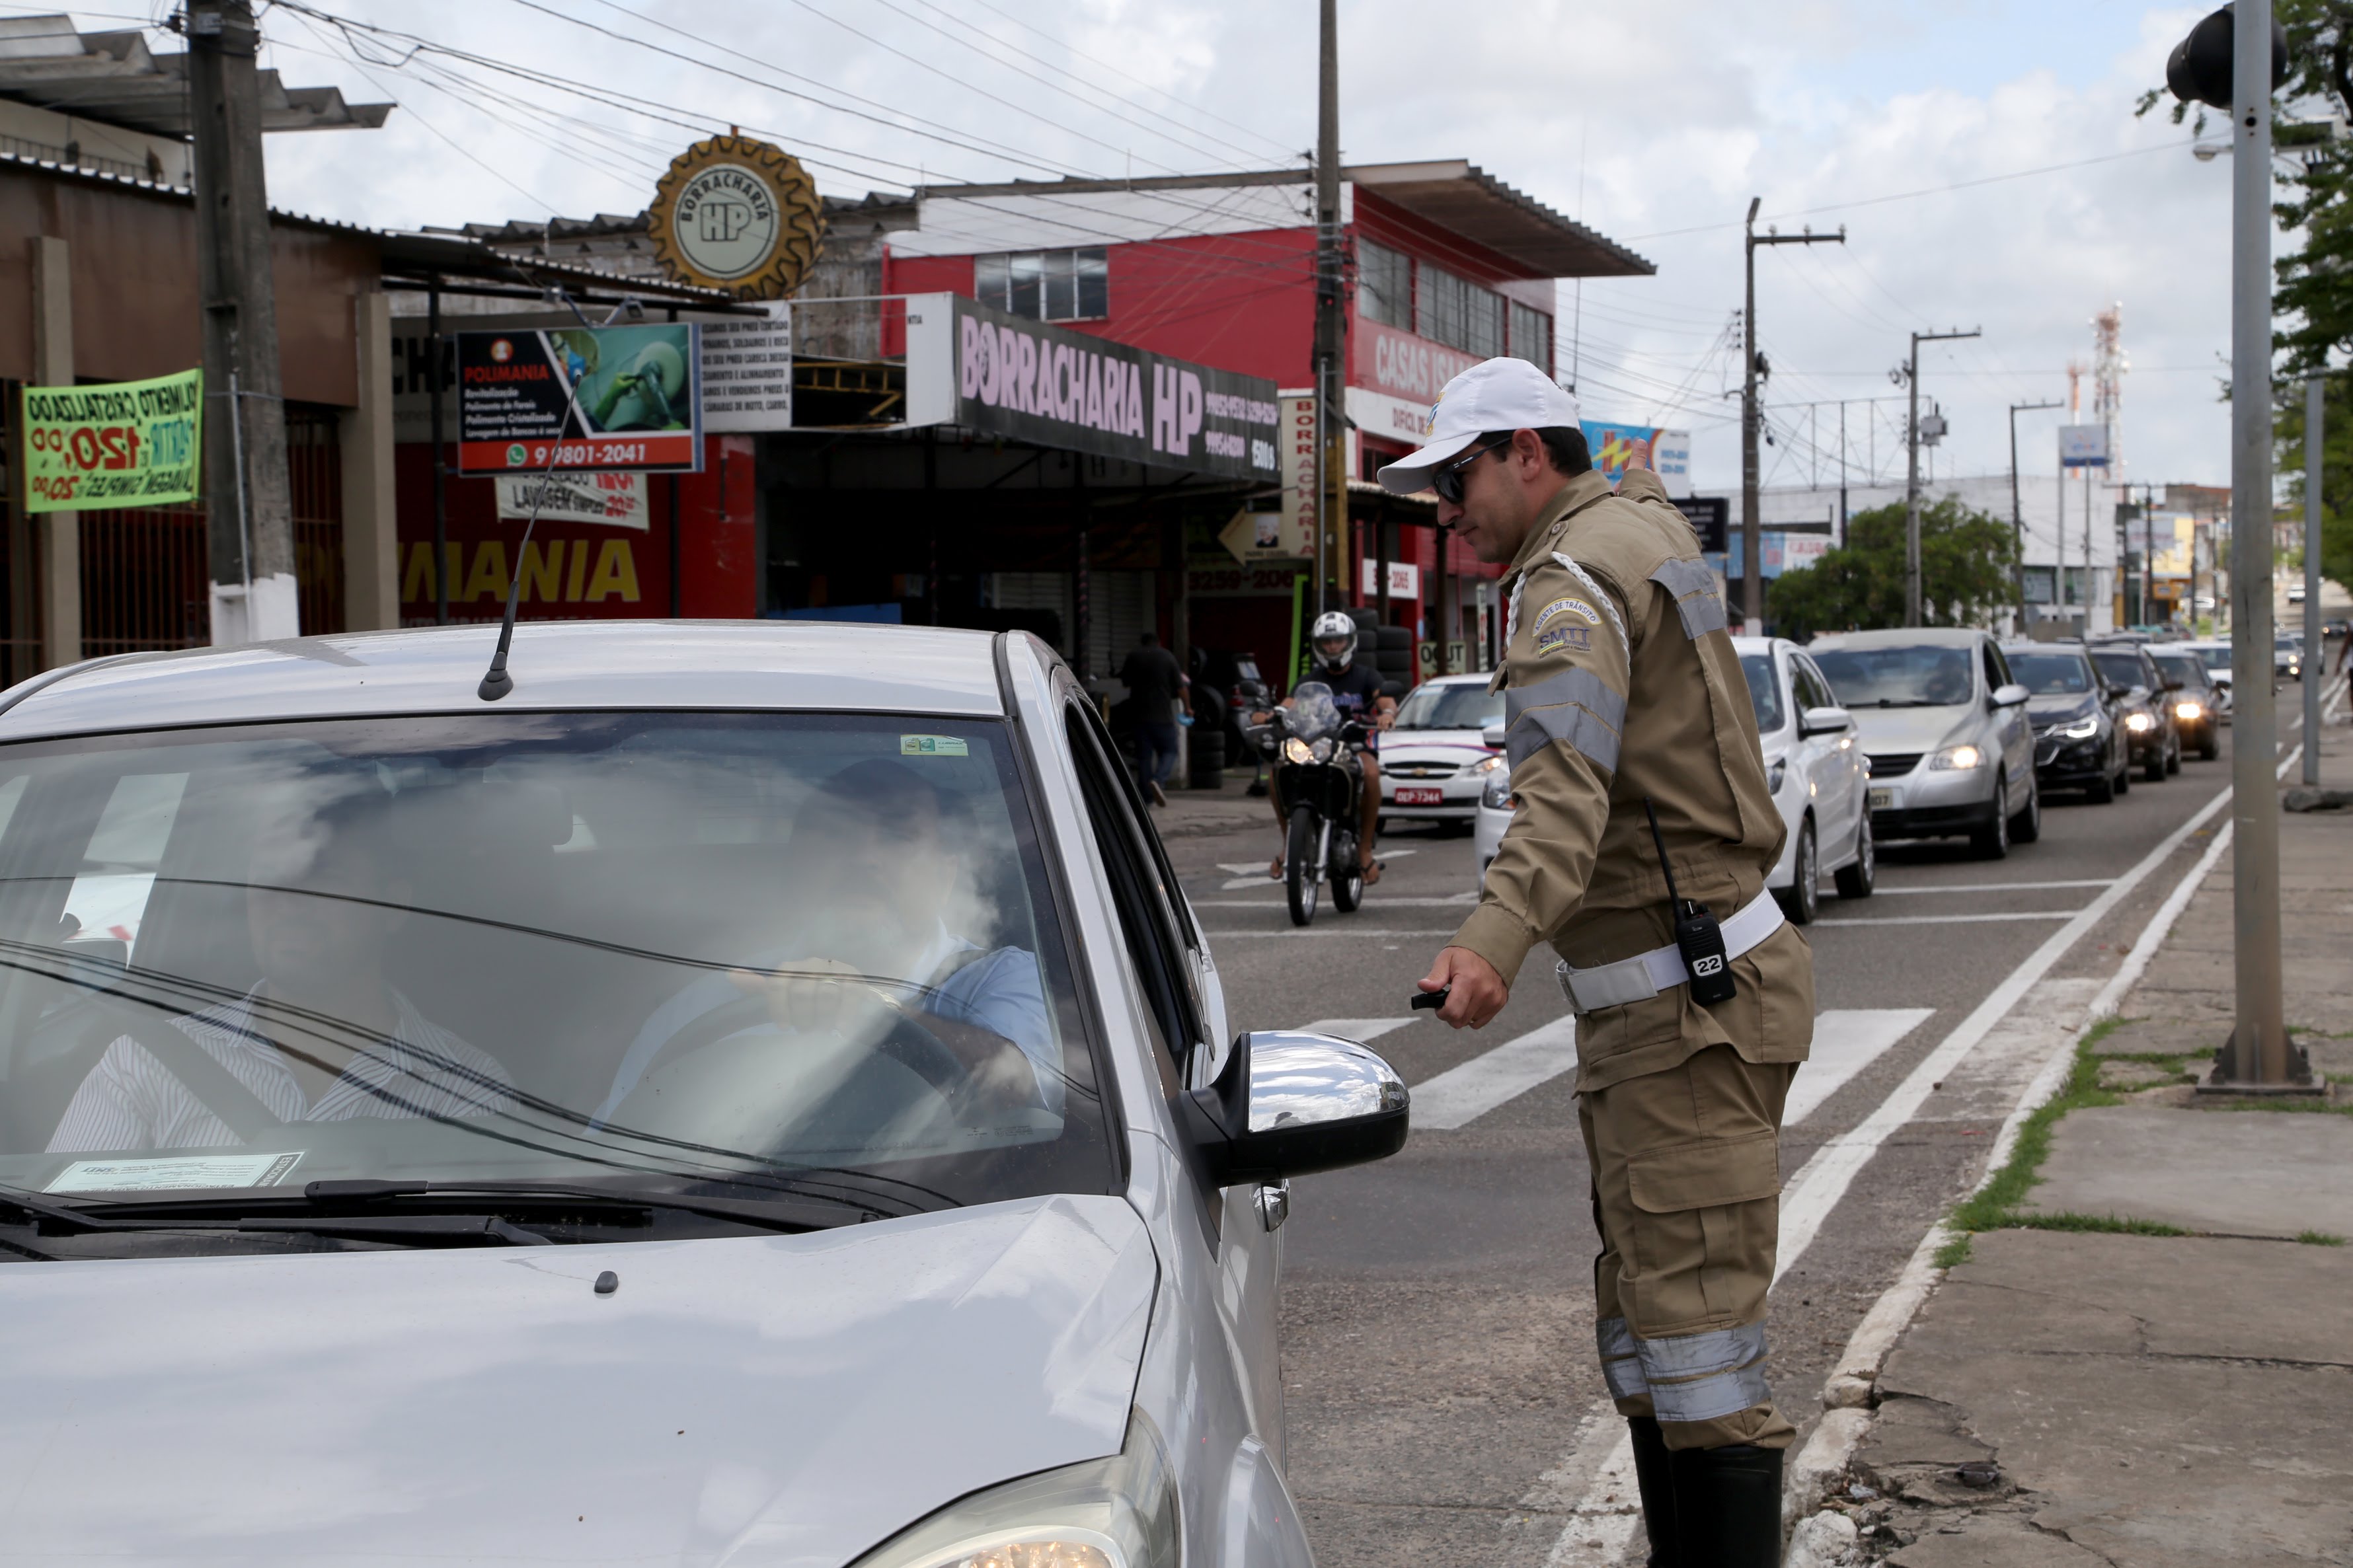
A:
[755,1094]
[1815,768]
[1946,729]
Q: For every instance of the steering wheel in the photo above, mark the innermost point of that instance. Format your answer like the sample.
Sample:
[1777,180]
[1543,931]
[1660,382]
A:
[906,1042]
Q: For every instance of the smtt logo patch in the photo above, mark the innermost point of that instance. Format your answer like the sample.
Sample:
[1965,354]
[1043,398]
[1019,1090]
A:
[1564,639]
[1568,606]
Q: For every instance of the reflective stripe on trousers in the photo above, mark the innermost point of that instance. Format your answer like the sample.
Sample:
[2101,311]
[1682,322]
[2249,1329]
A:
[1688,1377]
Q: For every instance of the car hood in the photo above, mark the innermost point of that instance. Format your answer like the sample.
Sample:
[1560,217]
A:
[2059,706]
[1433,745]
[1885,729]
[768,1400]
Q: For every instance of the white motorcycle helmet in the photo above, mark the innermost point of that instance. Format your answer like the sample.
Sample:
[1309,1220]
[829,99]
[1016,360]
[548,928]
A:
[1334,640]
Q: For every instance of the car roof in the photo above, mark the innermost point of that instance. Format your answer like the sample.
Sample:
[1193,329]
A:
[556,664]
[1904,637]
[1762,645]
[2028,645]
[1456,680]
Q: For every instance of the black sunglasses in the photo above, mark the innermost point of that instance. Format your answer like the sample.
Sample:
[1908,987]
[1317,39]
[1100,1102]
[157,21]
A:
[1448,480]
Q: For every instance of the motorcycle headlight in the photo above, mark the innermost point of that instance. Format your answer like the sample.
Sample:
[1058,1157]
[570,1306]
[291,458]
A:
[1322,751]
[2139,723]
[1118,1512]
[1484,765]
[1497,796]
[1955,758]
[1295,750]
[2186,711]
[1774,774]
[2081,730]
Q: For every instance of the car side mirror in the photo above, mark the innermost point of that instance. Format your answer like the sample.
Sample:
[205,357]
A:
[1493,735]
[1823,721]
[2009,696]
[1290,1103]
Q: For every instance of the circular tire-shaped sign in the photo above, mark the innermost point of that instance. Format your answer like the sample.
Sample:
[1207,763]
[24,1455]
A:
[738,216]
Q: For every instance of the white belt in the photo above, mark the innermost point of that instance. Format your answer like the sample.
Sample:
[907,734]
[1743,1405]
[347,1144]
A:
[1644,976]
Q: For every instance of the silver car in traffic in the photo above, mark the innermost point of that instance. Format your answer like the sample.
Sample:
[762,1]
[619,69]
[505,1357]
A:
[1946,730]
[756,1094]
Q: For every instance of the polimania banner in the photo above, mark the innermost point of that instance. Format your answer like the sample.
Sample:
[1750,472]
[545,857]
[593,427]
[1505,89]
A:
[1617,448]
[129,442]
[602,398]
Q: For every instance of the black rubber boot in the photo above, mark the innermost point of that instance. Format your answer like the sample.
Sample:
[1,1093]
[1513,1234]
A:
[1653,1473]
[1728,1506]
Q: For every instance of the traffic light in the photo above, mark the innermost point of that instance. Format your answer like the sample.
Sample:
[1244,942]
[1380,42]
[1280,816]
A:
[2198,69]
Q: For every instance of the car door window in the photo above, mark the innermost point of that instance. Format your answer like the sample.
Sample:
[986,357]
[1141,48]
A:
[1814,692]
[1996,673]
[1148,919]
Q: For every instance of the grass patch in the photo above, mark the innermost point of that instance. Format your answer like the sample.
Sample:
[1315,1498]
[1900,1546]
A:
[1994,1206]
[2104,1225]
[2319,1239]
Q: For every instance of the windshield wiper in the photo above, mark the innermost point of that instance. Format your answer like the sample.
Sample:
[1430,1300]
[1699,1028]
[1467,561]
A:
[387,1228]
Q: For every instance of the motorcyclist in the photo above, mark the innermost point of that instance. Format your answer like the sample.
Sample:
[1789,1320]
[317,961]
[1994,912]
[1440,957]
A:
[1357,694]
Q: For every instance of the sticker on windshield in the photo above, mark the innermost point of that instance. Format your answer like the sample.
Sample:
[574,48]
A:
[932,746]
[154,1175]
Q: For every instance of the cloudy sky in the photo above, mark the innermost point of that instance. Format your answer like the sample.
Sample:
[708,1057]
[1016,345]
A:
[1655,122]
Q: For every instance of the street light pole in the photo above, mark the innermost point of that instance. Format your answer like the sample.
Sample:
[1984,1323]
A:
[1331,322]
[2315,648]
[1752,572]
[1912,473]
[2017,512]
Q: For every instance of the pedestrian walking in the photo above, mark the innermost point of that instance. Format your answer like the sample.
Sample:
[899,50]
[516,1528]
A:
[1152,682]
[1638,852]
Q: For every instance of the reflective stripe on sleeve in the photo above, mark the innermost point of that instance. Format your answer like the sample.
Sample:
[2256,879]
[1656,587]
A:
[1694,586]
[1574,705]
[1705,1377]
[1622,1363]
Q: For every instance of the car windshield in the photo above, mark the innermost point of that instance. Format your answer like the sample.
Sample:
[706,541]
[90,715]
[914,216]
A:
[1458,705]
[2049,674]
[2180,666]
[1923,676]
[760,956]
[2122,668]
[1764,691]
[2215,658]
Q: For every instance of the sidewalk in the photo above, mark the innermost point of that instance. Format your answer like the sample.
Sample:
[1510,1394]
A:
[2143,1356]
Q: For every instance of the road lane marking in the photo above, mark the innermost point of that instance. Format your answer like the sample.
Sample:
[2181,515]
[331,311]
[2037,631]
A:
[1462,1094]
[1955,920]
[1603,1522]
[1846,1040]
[1364,1031]
[1885,892]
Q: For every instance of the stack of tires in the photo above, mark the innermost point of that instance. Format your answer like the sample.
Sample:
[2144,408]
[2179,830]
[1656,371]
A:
[1388,651]
[1205,742]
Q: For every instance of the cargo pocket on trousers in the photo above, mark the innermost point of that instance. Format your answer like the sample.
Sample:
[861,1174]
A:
[1706,1217]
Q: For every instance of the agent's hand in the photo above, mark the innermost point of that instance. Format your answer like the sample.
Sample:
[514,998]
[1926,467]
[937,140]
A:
[1477,992]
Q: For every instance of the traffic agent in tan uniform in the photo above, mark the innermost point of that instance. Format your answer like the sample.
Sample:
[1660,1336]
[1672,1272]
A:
[1638,853]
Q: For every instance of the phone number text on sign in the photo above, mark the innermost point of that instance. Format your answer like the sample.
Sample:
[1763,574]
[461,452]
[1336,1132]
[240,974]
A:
[664,451]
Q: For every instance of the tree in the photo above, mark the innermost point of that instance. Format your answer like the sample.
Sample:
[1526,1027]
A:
[2312,302]
[1966,561]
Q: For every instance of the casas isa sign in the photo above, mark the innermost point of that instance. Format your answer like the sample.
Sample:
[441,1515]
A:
[739,215]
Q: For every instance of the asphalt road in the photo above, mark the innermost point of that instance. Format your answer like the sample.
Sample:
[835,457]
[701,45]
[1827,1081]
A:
[1443,1403]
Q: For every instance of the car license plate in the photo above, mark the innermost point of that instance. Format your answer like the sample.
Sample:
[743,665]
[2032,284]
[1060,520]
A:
[1419,796]
[1883,800]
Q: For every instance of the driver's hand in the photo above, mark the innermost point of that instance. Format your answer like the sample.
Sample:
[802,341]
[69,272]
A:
[1479,991]
[818,994]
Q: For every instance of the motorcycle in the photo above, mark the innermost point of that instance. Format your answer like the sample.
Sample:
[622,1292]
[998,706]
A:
[1311,754]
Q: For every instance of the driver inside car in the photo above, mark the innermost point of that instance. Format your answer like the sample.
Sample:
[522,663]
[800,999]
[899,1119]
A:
[322,1036]
[871,860]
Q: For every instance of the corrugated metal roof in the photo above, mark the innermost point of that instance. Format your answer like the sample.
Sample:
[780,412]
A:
[116,78]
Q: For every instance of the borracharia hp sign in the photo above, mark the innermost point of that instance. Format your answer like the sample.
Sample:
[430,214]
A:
[1009,376]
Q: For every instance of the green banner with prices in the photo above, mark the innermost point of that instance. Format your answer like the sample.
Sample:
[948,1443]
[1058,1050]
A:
[121,444]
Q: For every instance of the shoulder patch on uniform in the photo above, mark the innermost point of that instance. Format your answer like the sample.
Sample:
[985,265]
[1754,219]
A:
[1568,606]
[1582,575]
[1566,638]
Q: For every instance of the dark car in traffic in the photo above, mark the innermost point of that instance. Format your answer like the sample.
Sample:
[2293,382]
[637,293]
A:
[2143,705]
[2196,703]
[2079,736]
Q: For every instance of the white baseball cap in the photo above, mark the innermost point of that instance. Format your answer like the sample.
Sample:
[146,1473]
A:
[1493,394]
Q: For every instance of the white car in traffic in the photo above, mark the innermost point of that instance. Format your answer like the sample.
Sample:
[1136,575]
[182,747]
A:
[1813,761]
[1435,759]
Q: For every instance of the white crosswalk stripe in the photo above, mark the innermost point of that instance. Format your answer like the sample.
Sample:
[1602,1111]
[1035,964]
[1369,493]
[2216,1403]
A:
[1846,1040]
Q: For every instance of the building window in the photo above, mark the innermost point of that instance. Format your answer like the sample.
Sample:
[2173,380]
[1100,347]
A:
[1046,285]
[1458,312]
[1384,286]
[1532,336]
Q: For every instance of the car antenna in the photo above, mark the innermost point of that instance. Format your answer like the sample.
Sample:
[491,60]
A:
[496,681]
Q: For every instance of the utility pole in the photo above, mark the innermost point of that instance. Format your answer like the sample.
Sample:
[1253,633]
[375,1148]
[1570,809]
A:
[1330,321]
[248,504]
[1752,535]
[2017,511]
[2315,647]
[1912,473]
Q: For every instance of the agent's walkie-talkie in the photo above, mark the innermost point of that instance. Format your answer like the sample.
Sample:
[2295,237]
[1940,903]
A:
[1697,933]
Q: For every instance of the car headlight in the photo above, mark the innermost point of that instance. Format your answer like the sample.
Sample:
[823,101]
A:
[1118,1512]
[1295,749]
[2139,723]
[2186,711]
[1775,773]
[2081,730]
[1484,765]
[1955,758]
[1497,796]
